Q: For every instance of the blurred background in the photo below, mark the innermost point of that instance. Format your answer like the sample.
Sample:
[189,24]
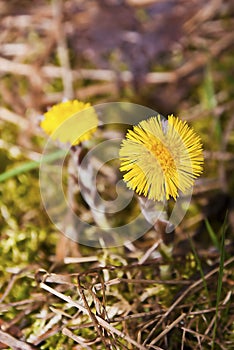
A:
[173,56]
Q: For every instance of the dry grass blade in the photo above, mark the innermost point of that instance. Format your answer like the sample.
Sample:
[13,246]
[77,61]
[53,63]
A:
[149,252]
[14,343]
[77,339]
[102,322]
[91,315]
[9,287]
[80,260]
[57,6]
[183,295]
[167,329]
[9,116]
[203,14]
[196,284]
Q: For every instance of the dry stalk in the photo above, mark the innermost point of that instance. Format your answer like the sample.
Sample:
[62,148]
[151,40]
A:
[168,329]
[77,339]
[14,343]
[196,284]
[101,322]
[57,7]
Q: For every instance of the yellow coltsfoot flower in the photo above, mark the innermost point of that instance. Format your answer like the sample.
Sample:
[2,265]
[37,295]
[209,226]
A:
[160,157]
[63,122]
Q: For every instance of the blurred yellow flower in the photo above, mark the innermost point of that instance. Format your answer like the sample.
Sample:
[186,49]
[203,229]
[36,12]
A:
[160,157]
[65,123]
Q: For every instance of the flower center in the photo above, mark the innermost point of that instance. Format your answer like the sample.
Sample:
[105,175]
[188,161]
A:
[162,155]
